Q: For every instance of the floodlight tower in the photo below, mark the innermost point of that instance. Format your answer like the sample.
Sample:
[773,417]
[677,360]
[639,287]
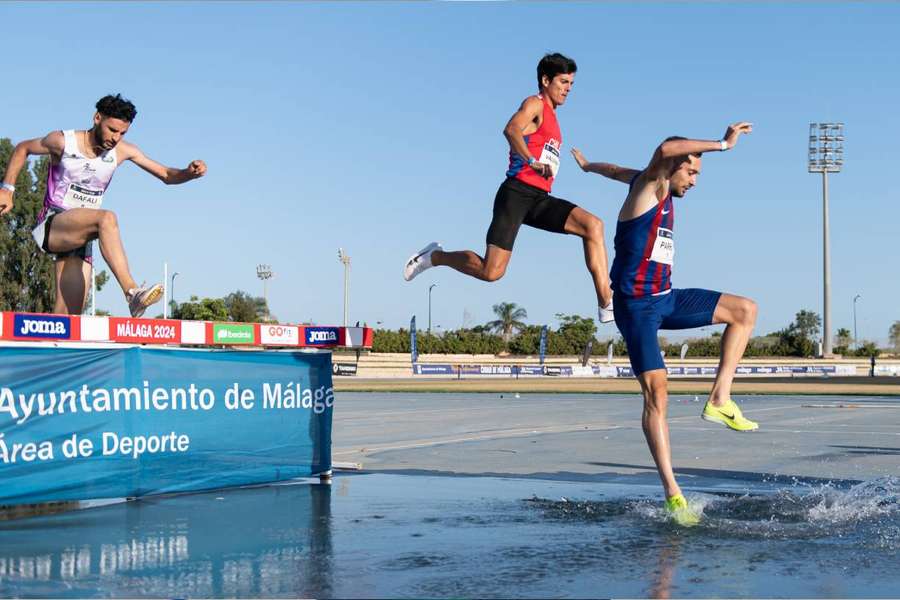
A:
[265,273]
[826,155]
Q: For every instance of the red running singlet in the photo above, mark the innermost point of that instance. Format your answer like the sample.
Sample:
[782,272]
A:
[544,145]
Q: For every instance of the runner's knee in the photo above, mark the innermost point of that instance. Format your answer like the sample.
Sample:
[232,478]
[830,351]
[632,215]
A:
[746,312]
[108,220]
[593,227]
[656,395]
[493,273]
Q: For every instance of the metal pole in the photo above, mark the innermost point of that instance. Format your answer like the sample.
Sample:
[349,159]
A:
[165,290]
[826,264]
[172,292]
[346,291]
[429,305]
[93,291]
[855,338]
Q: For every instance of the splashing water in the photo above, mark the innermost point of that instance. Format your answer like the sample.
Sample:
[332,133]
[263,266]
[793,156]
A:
[868,512]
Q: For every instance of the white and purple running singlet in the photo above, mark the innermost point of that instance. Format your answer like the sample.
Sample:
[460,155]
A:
[76,181]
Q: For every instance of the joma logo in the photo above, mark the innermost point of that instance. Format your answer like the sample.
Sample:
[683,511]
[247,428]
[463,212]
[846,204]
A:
[322,336]
[37,327]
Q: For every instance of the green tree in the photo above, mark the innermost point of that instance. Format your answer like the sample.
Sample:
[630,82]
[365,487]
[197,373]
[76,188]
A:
[808,324]
[208,309]
[26,273]
[867,349]
[843,337]
[244,308]
[842,341]
[102,279]
[894,336]
[572,336]
[508,320]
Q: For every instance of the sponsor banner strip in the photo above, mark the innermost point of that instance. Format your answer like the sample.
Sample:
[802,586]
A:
[35,327]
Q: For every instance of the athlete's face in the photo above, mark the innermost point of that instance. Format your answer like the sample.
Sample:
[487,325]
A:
[558,88]
[109,130]
[684,177]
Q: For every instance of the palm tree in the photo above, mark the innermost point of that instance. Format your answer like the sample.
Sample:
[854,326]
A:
[509,315]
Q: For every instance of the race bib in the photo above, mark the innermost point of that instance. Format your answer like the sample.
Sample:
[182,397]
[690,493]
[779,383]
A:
[663,247]
[78,196]
[550,156]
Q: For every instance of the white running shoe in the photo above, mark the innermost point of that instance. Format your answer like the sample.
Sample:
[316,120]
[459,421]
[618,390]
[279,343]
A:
[605,313]
[420,261]
[142,297]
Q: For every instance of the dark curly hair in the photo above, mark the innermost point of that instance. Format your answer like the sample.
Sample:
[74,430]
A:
[116,107]
[554,64]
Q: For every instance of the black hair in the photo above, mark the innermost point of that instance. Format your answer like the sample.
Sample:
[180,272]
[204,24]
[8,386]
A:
[554,64]
[116,107]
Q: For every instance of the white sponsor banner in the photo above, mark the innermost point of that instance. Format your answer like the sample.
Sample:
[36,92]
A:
[891,370]
[94,329]
[579,371]
[279,335]
[193,332]
[845,370]
[606,371]
[354,336]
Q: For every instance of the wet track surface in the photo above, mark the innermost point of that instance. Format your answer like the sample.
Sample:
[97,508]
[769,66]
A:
[535,509]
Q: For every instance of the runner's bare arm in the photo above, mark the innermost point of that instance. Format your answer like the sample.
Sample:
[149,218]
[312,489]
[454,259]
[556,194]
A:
[673,148]
[623,174]
[526,121]
[168,175]
[53,143]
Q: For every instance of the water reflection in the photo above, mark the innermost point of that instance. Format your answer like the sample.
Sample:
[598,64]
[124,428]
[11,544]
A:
[253,542]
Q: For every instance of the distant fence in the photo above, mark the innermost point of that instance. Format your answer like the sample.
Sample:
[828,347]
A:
[450,370]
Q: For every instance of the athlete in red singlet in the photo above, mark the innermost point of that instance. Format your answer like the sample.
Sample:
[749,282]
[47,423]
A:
[524,197]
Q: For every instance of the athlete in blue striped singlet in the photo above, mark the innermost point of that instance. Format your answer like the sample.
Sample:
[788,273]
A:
[646,302]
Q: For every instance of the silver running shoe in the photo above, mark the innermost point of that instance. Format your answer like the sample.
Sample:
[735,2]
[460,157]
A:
[142,297]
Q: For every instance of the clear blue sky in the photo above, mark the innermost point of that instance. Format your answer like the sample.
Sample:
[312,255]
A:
[377,127]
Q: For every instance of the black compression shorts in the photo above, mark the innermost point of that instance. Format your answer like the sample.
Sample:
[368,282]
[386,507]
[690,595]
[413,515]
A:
[516,203]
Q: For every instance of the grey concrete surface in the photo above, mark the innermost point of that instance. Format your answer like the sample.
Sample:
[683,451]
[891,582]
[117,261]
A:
[579,437]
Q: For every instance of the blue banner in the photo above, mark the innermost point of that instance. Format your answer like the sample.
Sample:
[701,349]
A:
[413,347]
[79,424]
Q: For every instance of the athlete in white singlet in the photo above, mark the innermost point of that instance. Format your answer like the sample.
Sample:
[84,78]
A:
[82,164]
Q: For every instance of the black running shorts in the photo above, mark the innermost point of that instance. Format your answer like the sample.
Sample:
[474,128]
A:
[516,203]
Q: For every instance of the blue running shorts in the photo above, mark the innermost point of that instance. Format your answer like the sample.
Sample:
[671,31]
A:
[640,319]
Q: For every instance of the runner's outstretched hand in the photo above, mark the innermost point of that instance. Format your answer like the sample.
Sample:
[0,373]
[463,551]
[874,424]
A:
[580,159]
[6,201]
[196,169]
[734,131]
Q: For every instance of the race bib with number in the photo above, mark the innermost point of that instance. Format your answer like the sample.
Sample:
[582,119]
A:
[550,156]
[663,247]
[81,197]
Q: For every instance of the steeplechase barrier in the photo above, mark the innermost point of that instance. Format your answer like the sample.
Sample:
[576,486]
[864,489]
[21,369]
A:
[103,407]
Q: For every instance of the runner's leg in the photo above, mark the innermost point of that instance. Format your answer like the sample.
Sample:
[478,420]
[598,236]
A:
[590,229]
[740,315]
[76,227]
[490,268]
[656,428]
[73,276]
